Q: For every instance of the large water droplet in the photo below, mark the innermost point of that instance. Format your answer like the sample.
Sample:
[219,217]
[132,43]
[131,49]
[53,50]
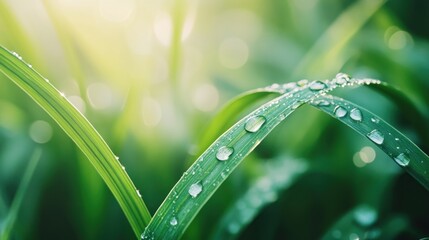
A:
[365,216]
[317,86]
[173,221]
[254,123]
[356,114]
[224,153]
[342,78]
[402,159]
[340,111]
[376,136]
[195,189]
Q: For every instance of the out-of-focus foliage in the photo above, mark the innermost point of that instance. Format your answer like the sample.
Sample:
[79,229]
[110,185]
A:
[149,75]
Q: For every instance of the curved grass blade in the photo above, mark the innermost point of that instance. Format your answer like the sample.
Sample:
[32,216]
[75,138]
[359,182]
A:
[401,149]
[279,175]
[226,117]
[203,178]
[81,132]
[8,224]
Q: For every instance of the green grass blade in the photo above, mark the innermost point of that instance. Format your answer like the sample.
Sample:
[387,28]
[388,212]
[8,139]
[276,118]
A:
[203,178]
[401,149]
[12,215]
[279,174]
[82,133]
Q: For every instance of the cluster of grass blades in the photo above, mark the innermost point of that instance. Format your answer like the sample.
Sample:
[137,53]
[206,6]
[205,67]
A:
[219,160]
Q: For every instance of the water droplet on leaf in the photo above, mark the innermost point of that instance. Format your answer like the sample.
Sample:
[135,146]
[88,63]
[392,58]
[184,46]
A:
[302,82]
[195,189]
[375,120]
[224,153]
[317,86]
[402,159]
[289,86]
[173,221]
[376,136]
[255,123]
[340,111]
[322,103]
[342,78]
[356,114]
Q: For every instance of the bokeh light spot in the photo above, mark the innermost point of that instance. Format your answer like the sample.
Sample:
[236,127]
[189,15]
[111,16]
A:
[206,97]
[40,131]
[100,96]
[233,53]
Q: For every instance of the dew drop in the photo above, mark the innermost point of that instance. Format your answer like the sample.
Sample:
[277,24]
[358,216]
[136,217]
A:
[138,193]
[342,78]
[322,103]
[302,82]
[195,189]
[356,114]
[173,221]
[255,123]
[296,105]
[376,136]
[375,120]
[317,86]
[224,153]
[340,111]
[289,86]
[402,160]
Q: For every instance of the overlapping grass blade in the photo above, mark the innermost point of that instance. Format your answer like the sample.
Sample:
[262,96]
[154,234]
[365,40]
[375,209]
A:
[12,215]
[202,179]
[401,149]
[82,133]
[279,174]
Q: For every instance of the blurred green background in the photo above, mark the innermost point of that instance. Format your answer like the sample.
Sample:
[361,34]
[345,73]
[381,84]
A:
[149,75]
